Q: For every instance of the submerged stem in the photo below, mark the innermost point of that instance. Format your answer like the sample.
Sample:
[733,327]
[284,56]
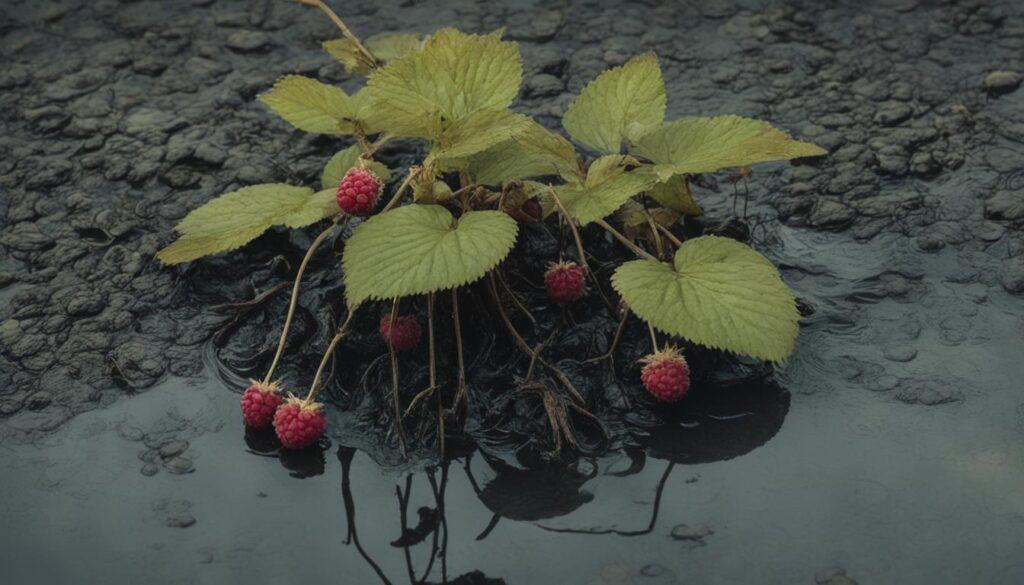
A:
[295,297]
[342,331]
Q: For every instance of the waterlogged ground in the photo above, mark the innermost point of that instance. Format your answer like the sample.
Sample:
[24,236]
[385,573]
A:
[890,449]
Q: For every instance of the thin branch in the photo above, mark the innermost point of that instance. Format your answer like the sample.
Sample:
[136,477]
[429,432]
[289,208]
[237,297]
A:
[625,241]
[341,25]
[668,234]
[342,331]
[413,172]
[295,297]
[460,394]
[394,382]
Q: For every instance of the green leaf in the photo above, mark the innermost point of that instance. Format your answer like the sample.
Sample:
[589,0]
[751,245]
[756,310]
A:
[346,53]
[344,160]
[417,249]
[389,46]
[676,194]
[474,133]
[532,153]
[454,75]
[624,102]
[234,219]
[706,145]
[312,106]
[607,187]
[719,293]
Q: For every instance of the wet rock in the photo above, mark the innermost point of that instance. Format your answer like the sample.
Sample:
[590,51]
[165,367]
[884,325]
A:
[247,41]
[1005,204]
[999,82]
[179,465]
[149,469]
[893,113]
[1012,277]
[173,448]
[692,533]
[900,353]
[85,303]
[830,214]
[923,164]
[833,576]
[139,364]
[542,85]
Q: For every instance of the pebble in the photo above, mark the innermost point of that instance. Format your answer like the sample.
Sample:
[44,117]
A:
[1002,81]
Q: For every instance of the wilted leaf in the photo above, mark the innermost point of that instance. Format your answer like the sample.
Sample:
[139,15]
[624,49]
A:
[532,153]
[624,102]
[676,194]
[719,293]
[344,160]
[454,75]
[417,249]
[706,145]
[312,106]
[234,219]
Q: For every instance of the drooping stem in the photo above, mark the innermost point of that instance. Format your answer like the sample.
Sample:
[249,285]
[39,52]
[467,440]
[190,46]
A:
[654,338]
[314,388]
[401,188]
[460,393]
[433,375]
[579,248]
[625,241]
[399,428]
[341,25]
[519,304]
[295,297]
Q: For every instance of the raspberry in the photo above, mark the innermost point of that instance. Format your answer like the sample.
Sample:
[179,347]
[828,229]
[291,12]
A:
[259,402]
[666,375]
[358,191]
[565,282]
[402,334]
[299,424]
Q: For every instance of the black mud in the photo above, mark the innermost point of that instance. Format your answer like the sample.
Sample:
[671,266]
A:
[887,450]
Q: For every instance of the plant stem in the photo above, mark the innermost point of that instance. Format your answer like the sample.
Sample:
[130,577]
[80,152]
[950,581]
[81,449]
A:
[394,381]
[654,338]
[460,394]
[433,375]
[342,331]
[341,25]
[668,234]
[579,249]
[295,297]
[401,189]
[625,241]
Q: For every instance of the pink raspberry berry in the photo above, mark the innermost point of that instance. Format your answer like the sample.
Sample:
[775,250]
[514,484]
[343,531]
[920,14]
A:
[565,282]
[298,424]
[403,333]
[666,375]
[358,191]
[259,403]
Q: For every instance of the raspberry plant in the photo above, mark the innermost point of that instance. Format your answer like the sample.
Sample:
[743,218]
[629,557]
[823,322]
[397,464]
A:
[454,217]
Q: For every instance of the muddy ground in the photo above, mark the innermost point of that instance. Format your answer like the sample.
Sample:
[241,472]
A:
[887,450]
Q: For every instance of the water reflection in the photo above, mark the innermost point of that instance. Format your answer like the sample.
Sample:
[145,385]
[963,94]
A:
[713,426]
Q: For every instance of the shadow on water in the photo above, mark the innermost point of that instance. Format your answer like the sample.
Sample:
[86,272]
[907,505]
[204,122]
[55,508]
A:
[529,490]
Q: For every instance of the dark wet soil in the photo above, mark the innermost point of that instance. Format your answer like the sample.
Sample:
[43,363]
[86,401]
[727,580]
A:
[889,449]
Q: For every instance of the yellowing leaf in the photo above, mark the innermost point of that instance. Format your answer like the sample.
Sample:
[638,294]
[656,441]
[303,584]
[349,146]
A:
[234,219]
[719,293]
[391,45]
[676,194]
[312,106]
[340,163]
[607,187]
[532,153]
[706,145]
[624,102]
[454,75]
[417,249]
[474,133]
[346,53]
